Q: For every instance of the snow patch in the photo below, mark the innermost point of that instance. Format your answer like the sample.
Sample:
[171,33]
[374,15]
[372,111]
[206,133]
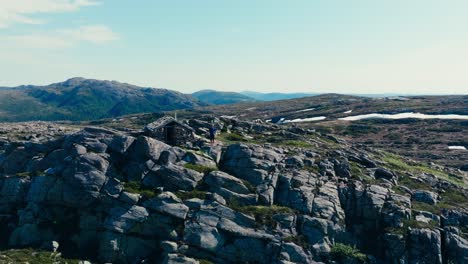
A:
[456,148]
[309,119]
[403,116]
[305,110]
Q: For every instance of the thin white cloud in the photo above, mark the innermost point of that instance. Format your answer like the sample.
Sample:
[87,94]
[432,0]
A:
[96,34]
[20,11]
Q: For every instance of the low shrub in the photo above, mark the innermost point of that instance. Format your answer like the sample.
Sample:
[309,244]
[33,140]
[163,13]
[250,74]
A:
[135,187]
[263,214]
[341,252]
[33,256]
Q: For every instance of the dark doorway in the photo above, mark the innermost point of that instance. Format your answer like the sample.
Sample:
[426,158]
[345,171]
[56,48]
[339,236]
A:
[170,135]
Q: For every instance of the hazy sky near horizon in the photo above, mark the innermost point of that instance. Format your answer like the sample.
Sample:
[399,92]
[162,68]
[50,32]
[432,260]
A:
[359,46]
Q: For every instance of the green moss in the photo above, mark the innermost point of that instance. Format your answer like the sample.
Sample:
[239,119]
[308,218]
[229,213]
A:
[232,137]
[396,163]
[425,207]
[453,199]
[397,230]
[23,174]
[200,168]
[33,257]
[399,190]
[414,184]
[249,186]
[342,252]
[356,170]
[313,169]
[449,200]
[296,143]
[299,240]
[135,187]
[263,214]
[190,195]
[204,261]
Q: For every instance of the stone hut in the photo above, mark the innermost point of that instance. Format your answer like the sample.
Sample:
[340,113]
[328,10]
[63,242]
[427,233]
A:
[169,130]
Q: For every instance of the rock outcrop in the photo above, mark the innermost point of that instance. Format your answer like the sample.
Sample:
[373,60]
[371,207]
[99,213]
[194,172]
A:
[112,197]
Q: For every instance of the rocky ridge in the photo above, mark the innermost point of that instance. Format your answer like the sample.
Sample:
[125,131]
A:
[113,197]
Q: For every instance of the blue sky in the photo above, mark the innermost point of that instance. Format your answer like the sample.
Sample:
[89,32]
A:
[359,46]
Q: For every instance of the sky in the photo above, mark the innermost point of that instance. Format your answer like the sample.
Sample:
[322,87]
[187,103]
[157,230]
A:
[315,46]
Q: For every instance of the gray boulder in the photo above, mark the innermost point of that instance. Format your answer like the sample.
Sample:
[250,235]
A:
[394,248]
[30,235]
[168,203]
[121,143]
[294,253]
[219,179]
[122,220]
[13,191]
[173,178]
[251,163]
[120,248]
[425,196]
[424,246]
[382,173]
[145,148]
[456,247]
[84,177]
[196,159]
[203,235]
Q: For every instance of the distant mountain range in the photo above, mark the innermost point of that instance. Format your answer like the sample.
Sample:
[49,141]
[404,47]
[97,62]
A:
[219,98]
[275,96]
[87,99]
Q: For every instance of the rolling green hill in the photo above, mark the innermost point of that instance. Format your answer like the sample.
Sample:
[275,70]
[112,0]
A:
[86,99]
[220,98]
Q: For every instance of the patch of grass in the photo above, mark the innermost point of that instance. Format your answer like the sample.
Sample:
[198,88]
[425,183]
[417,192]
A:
[33,257]
[413,184]
[200,168]
[204,261]
[450,200]
[249,186]
[232,137]
[425,207]
[397,230]
[263,214]
[30,174]
[453,199]
[396,163]
[313,169]
[24,174]
[341,252]
[399,190]
[416,224]
[299,240]
[355,168]
[135,187]
[464,232]
[190,195]
[296,143]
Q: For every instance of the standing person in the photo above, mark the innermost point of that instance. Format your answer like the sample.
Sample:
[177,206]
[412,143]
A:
[212,134]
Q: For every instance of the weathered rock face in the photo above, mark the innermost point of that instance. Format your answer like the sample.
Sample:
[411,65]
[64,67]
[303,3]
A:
[115,198]
[424,246]
[252,163]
